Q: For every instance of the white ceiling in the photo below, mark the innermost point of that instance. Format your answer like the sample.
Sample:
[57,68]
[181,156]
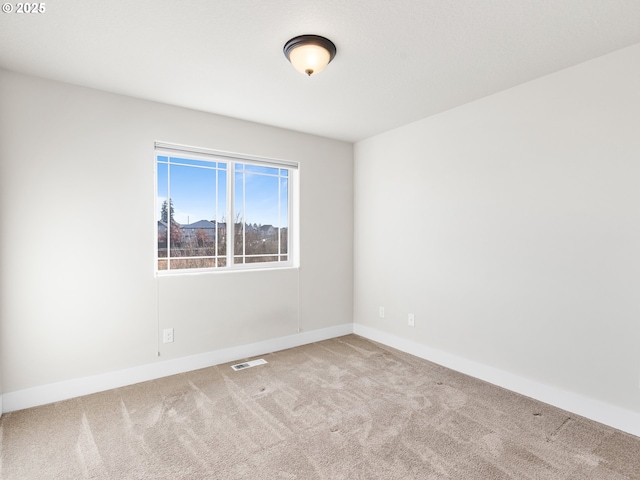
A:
[397,61]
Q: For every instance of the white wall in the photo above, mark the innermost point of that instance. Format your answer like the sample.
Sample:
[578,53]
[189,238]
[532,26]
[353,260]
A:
[78,295]
[510,227]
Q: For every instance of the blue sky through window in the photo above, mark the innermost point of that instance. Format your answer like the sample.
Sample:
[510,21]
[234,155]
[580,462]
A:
[199,191]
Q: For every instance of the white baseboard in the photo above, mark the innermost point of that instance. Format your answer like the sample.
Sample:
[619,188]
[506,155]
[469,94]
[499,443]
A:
[599,411]
[611,415]
[54,392]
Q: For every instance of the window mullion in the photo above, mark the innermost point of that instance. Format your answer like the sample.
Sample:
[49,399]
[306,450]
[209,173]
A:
[292,181]
[217,220]
[231,174]
[279,213]
[169,213]
[244,216]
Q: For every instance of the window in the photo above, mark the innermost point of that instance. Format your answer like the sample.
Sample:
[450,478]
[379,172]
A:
[216,211]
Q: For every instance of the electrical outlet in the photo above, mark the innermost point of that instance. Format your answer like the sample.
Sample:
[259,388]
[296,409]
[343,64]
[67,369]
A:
[167,335]
[381,312]
[412,320]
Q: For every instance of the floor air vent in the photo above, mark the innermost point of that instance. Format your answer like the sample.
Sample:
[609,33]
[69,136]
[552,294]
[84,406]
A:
[252,363]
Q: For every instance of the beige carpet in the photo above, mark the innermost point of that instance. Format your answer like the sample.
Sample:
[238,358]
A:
[345,408]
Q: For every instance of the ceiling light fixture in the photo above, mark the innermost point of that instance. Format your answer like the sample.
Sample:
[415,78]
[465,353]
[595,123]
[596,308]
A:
[309,54]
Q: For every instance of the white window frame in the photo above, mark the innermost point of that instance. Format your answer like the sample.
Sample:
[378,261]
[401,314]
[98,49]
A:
[203,154]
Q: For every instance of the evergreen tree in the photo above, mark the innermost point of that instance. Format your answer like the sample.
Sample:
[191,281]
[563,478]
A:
[167,213]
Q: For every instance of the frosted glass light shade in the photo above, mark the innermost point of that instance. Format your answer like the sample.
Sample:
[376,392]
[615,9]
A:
[309,54]
[309,59]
